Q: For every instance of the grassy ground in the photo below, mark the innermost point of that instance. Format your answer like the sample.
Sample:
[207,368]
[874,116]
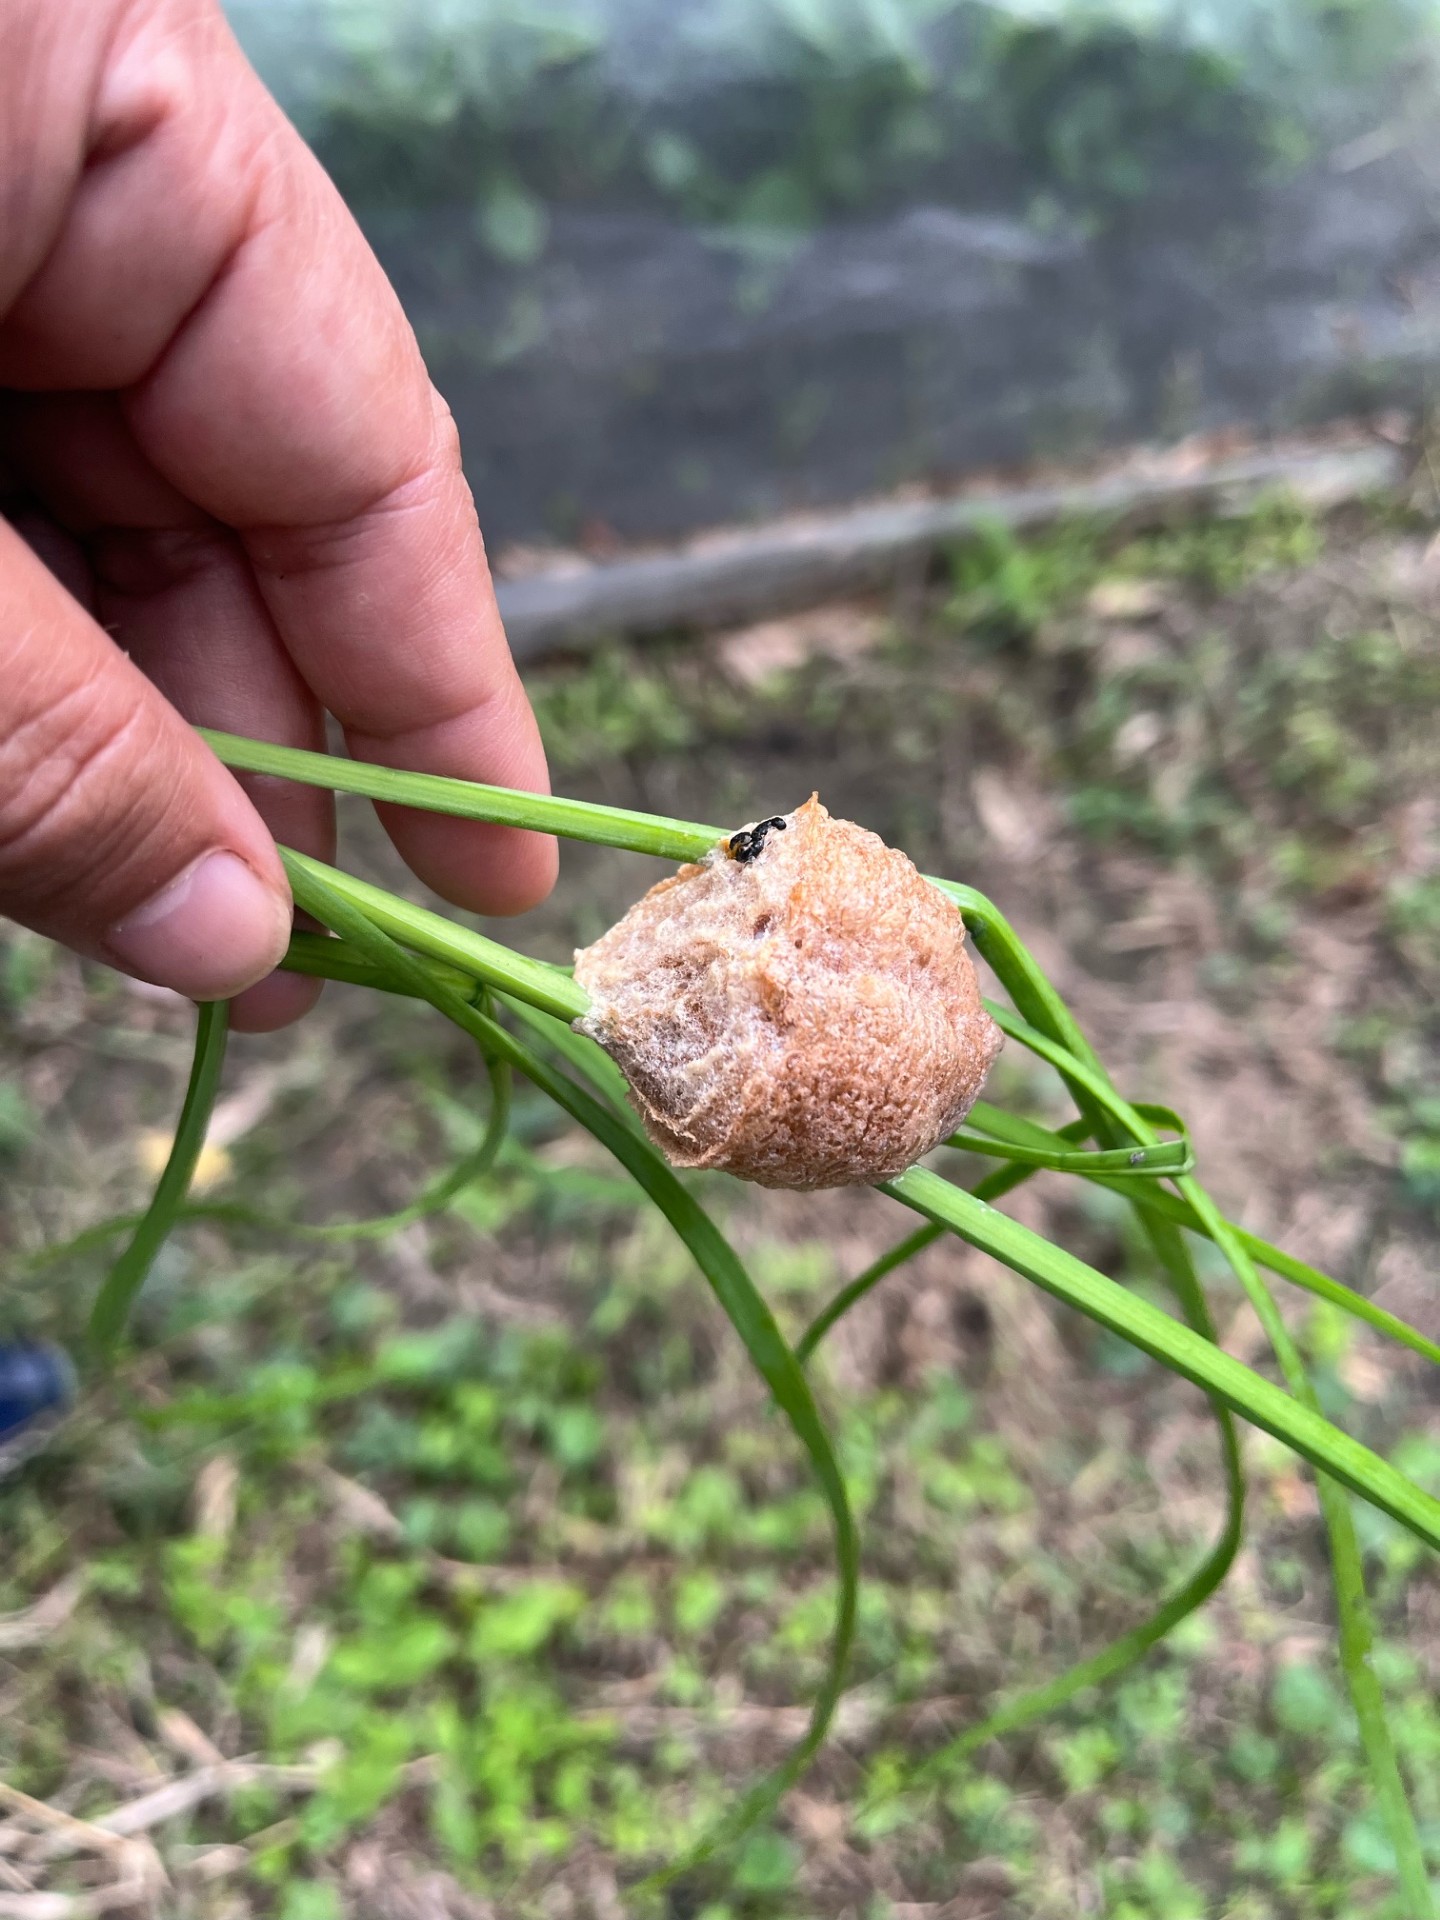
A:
[479,1540]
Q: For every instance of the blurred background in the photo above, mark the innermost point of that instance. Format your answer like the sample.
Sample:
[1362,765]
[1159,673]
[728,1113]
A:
[458,1571]
[676,262]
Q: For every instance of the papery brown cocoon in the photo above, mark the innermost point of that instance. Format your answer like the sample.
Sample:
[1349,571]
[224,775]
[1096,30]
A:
[807,1017]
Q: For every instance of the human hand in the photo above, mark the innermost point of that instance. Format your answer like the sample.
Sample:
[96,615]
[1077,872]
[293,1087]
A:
[221,457]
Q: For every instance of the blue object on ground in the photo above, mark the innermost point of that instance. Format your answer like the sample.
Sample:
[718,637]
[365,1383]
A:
[37,1385]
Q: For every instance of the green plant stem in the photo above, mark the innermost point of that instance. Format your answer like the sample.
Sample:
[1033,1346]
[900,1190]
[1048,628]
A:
[1357,1634]
[1045,1024]
[1011,961]
[732,1287]
[1011,1128]
[129,1273]
[1175,1345]
[840,1303]
[1168,1206]
[433,1198]
[1042,1023]
[1151,1198]
[321,957]
[584,1055]
[1154,1199]
[544,986]
[469,800]
[1065,1046]
[1356,1631]
[1123,1163]
[992,1187]
[1109,1661]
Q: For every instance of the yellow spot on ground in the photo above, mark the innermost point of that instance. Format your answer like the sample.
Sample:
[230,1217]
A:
[152,1150]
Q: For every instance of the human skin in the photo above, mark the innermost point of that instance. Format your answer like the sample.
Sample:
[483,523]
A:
[231,497]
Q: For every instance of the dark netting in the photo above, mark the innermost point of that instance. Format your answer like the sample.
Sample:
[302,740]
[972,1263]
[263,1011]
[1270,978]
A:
[683,261]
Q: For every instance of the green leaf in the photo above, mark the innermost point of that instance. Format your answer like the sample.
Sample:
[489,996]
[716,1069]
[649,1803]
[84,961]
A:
[396,1657]
[520,1623]
[511,222]
[1305,1702]
[766,1864]
[310,1900]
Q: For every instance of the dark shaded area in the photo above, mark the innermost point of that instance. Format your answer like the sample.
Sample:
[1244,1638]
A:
[672,271]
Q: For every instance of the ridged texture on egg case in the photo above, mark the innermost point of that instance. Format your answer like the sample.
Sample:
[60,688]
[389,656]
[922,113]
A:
[807,1018]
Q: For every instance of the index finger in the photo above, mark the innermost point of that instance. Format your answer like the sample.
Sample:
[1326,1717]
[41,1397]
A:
[271,377]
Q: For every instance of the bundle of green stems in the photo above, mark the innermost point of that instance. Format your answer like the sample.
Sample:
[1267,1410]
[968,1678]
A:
[519,1012]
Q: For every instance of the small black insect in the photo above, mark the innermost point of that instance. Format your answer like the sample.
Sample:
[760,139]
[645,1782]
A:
[746,844]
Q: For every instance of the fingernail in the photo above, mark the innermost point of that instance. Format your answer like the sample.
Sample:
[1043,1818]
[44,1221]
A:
[213,931]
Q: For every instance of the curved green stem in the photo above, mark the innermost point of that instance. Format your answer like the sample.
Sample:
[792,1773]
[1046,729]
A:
[437,1195]
[1156,1200]
[1064,1044]
[467,1170]
[1175,1345]
[1357,1635]
[732,1287]
[1113,1659]
[992,1187]
[1044,1024]
[129,1273]
[855,1290]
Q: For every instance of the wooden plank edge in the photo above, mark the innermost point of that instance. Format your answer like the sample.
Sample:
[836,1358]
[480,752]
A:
[750,573]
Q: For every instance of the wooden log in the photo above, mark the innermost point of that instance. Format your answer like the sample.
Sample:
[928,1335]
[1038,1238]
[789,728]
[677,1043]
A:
[746,574]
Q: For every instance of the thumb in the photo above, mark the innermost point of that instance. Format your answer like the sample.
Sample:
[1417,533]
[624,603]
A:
[120,833]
